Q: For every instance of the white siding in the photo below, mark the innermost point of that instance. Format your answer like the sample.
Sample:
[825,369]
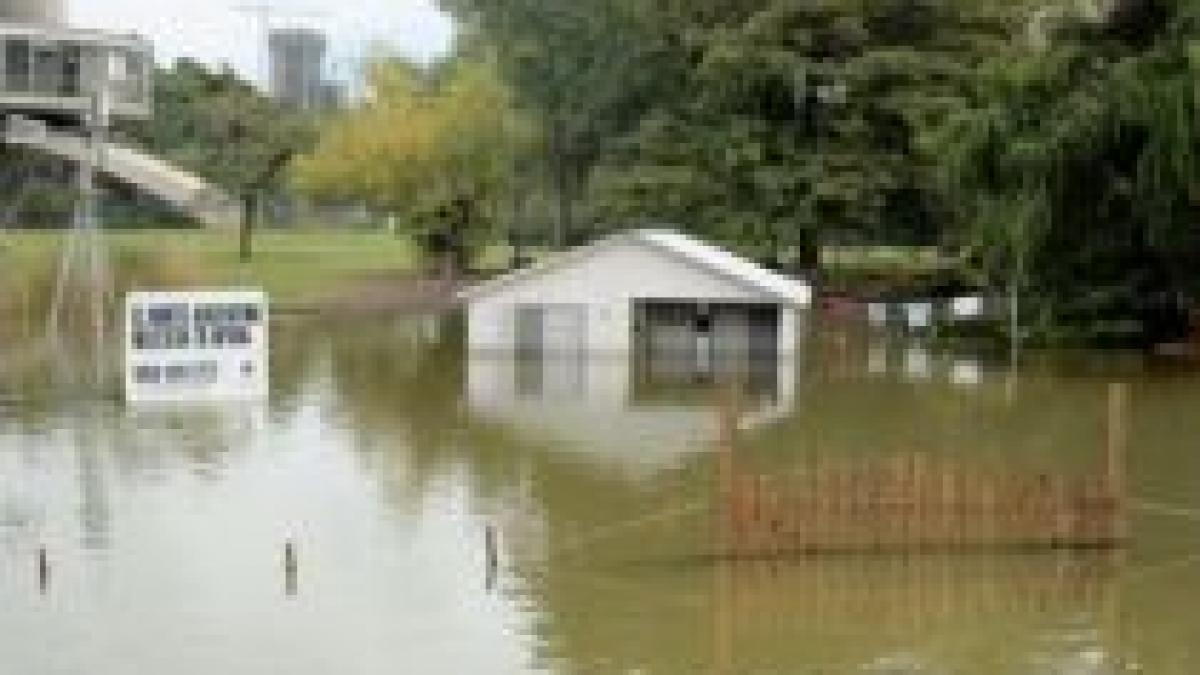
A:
[608,281]
[790,330]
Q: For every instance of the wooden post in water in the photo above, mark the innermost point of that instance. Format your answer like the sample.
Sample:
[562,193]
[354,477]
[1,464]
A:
[492,555]
[43,568]
[290,569]
[728,534]
[729,529]
[1115,464]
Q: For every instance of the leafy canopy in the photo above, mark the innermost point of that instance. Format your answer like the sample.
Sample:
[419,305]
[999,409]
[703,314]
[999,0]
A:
[434,146]
[216,125]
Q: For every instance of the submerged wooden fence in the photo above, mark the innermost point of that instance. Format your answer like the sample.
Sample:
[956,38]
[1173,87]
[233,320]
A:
[845,606]
[916,501]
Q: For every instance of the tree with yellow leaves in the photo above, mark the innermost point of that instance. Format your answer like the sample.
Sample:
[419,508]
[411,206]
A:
[435,146]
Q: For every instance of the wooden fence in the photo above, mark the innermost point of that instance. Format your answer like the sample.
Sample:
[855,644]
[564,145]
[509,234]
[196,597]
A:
[914,501]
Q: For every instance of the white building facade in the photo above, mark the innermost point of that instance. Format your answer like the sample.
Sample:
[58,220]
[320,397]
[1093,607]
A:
[644,290]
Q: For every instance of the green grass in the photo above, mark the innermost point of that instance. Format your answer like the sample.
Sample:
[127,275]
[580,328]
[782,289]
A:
[293,266]
[870,270]
[898,259]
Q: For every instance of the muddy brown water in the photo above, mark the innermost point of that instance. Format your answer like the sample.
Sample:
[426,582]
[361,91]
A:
[342,525]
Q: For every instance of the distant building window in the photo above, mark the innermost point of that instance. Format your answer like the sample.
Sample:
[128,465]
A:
[16,66]
[147,374]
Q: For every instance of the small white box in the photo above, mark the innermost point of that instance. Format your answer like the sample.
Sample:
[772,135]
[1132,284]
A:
[877,314]
[919,315]
[968,307]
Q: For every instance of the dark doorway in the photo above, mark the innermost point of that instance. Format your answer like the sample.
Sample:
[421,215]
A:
[695,343]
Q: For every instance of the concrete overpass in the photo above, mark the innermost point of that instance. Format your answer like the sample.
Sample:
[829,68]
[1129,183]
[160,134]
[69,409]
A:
[187,193]
[54,76]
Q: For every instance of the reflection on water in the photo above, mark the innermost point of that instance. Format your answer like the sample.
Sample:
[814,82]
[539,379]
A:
[924,613]
[409,481]
[644,415]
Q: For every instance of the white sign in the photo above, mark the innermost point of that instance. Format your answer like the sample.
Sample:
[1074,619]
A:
[187,346]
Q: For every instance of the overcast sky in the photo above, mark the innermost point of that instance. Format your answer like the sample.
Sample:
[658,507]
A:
[211,31]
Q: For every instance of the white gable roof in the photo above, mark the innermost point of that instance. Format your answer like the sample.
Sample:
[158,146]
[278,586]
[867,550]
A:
[689,249]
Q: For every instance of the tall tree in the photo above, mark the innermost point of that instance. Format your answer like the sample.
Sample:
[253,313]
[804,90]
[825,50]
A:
[1075,175]
[763,123]
[435,146]
[218,126]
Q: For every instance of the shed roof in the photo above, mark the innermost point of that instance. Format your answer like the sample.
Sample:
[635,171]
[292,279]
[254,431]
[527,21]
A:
[688,249]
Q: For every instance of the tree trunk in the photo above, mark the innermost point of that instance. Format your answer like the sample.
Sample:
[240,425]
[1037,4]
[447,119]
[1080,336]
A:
[562,184]
[246,232]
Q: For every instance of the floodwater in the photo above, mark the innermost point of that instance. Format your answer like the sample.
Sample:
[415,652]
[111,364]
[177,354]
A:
[383,456]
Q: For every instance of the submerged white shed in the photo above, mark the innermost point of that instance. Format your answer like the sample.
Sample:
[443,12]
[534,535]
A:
[660,292]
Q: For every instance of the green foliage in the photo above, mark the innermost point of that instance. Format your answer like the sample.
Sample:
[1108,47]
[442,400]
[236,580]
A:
[216,125]
[587,70]
[1075,175]
[35,190]
[1054,141]
[435,147]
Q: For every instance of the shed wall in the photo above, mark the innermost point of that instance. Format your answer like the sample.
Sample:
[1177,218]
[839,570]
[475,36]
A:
[606,282]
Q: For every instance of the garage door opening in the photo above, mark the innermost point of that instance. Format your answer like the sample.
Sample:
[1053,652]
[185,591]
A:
[678,343]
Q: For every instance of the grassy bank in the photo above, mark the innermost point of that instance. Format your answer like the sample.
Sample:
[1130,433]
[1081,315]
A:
[299,267]
[873,270]
[295,267]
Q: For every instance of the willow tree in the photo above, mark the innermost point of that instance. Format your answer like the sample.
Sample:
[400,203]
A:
[435,147]
[1075,174]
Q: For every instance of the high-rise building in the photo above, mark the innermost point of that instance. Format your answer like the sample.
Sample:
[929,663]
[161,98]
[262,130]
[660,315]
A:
[298,67]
